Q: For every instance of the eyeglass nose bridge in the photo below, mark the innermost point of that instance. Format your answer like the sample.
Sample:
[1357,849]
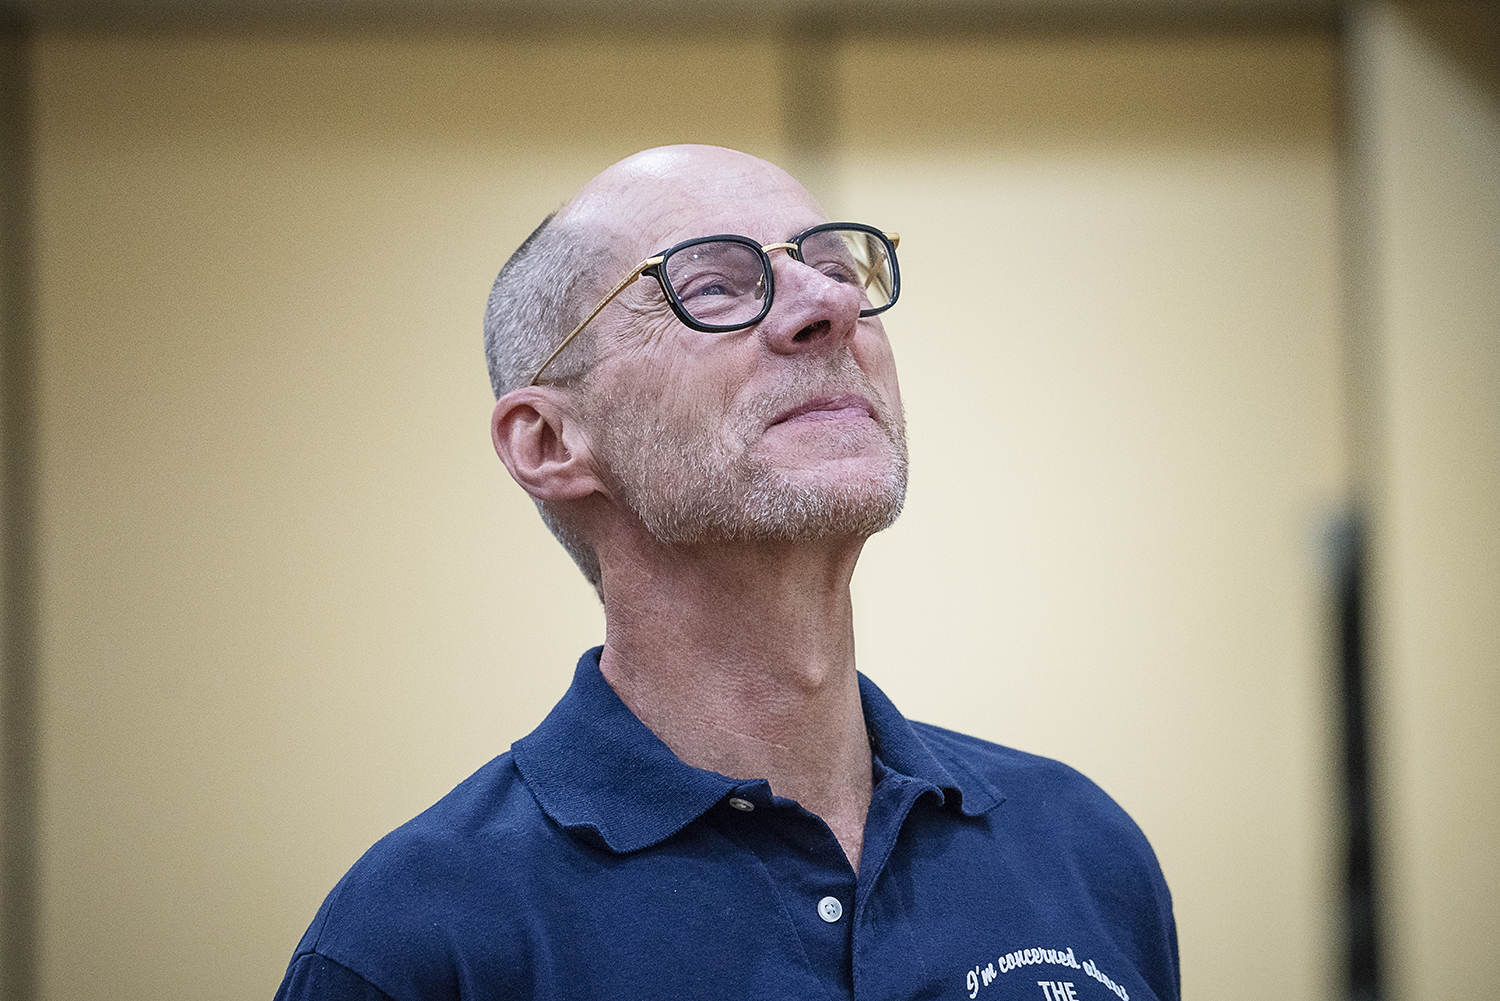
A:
[791,251]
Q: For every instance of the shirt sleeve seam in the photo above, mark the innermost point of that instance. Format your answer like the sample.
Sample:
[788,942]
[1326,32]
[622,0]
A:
[314,951]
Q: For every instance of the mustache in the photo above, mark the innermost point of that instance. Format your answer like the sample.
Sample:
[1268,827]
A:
[834,374]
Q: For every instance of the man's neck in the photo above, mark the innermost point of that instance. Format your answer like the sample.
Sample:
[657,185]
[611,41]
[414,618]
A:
[741,659]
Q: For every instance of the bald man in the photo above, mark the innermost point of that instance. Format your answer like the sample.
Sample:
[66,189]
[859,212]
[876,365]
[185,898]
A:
[694,384]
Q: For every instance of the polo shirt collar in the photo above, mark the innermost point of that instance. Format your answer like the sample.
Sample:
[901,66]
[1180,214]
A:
[599,772]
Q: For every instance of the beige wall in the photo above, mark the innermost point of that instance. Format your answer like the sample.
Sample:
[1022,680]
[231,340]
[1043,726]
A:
[1428,137]
[290,599]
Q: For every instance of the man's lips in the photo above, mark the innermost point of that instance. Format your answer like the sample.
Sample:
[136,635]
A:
[825,407]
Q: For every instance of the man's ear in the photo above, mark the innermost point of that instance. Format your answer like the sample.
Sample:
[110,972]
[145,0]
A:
[543,444]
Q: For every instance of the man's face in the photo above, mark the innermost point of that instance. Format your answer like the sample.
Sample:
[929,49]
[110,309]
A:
[787,430]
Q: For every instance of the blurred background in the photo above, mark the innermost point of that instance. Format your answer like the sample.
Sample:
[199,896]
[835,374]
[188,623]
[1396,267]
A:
[1200,346]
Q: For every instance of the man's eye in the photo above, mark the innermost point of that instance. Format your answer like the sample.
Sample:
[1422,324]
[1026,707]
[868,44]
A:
[713,285]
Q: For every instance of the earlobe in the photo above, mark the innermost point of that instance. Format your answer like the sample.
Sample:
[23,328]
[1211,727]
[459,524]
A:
[542,445]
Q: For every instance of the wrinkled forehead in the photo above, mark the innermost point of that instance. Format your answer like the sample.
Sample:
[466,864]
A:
[655,199]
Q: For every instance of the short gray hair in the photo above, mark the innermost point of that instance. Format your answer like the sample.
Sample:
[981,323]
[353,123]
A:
[537,298]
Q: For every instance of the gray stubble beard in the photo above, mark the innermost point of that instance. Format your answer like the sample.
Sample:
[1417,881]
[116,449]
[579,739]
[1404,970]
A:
[691,486]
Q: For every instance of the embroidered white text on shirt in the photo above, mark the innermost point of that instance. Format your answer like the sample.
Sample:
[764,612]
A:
[983,976]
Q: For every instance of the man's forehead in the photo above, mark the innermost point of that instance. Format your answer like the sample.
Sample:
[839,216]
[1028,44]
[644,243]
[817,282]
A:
[660,196]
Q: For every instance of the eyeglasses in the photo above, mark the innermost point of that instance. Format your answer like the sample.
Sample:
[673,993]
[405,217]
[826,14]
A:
[722,283]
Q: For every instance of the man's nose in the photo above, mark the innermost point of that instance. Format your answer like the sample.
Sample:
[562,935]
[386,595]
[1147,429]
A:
[810,311]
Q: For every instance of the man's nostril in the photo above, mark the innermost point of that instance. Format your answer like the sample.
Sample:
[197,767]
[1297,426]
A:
[812,331]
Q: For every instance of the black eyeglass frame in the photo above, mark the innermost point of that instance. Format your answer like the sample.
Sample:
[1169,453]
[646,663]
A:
[653,266]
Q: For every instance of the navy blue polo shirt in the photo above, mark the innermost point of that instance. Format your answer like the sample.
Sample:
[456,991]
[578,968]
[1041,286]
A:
[591,862]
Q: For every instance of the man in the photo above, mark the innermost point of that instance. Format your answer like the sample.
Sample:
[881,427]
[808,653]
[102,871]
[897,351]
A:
[720,806]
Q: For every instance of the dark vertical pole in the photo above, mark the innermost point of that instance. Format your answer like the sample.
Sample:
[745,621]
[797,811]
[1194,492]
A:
[18,560]
[1361,916]
[1352,591]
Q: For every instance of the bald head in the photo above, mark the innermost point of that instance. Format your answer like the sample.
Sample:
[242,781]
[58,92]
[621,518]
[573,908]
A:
[677,188]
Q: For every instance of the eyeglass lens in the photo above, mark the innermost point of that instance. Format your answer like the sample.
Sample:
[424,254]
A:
[722,283]
[853,256]
[719,283]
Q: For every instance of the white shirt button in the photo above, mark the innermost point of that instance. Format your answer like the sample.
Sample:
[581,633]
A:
[830,910]
[741,804]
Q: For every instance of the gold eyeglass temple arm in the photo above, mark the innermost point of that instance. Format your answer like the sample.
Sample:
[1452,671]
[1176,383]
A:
[639,268]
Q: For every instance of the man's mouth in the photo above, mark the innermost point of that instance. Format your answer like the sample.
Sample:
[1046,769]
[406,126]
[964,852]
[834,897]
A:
[840,406]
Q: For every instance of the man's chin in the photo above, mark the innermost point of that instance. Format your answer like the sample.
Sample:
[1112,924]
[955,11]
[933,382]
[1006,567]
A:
[842,485]
[784,508]
[825,502]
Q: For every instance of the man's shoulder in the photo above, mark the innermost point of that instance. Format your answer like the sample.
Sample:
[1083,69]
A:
[489,813]
[396,914]
[984,775]
[1040,791]
[999,764]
